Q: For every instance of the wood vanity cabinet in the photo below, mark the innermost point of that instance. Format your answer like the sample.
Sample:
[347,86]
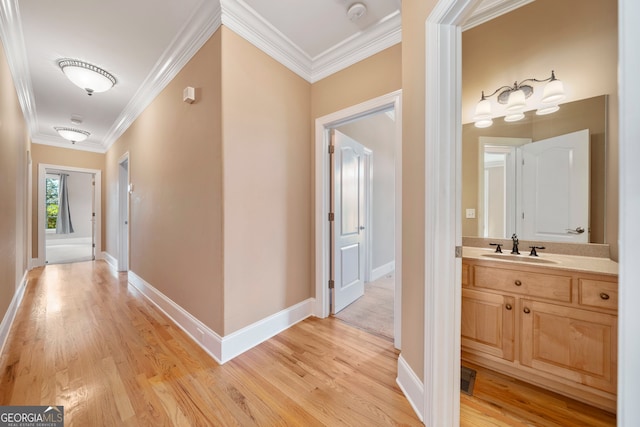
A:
[551,327]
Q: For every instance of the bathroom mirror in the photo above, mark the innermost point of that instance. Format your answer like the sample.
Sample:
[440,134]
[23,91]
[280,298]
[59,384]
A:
[492,182]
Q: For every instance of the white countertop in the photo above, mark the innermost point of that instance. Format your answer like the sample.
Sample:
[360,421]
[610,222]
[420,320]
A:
[546,260]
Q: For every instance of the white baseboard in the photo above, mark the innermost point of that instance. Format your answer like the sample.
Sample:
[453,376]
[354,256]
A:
[113,263]
[35,262]
[10,315]
[411,386]
[383,270]
[248,337]
[223,349]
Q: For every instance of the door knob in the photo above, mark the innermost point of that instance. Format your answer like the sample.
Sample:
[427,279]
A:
[578,230]
[361,227]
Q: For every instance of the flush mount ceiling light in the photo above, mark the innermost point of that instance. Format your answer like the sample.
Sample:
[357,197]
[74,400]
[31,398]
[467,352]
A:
[87,76]
[356,11]
[71,134]
[515,99]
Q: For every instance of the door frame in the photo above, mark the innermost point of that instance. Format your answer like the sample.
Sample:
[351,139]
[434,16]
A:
[97,203]
[123,240]
[322,202]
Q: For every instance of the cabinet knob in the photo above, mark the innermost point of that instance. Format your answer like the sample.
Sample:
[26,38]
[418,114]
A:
[526,310]
[604,296]
[508,307]
[518,283]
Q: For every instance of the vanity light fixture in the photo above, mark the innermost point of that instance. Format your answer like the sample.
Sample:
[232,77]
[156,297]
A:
[87,76]
[72,134]
[514,97]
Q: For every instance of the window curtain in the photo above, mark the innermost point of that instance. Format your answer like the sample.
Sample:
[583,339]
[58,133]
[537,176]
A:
[63,225]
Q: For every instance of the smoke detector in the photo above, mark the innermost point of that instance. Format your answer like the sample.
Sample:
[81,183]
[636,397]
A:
[356,11]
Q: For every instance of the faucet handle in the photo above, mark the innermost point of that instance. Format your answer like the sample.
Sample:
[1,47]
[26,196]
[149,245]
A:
[498,247]
[533,250]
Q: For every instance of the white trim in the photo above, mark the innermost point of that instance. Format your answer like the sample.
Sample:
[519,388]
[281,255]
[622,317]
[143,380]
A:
[12,310]
[202,24]
[629,227]
[97,195]
[247,23]
[412,387]
[383,270]
[443,126]
[111,260]
[393,99]
[489,10]
[250,336]
[223,349]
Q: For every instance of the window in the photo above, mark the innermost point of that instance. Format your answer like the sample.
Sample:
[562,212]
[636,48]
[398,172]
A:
[52,198]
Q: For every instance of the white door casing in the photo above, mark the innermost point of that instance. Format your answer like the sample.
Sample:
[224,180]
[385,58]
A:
[322,201]
[123,213]
[552,169]
[348,225]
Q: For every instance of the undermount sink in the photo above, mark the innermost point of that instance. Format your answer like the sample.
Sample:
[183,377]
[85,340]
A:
[520,258]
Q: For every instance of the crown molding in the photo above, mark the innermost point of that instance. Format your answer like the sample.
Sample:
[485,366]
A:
[204,21]
[490,9]
[386,33]
[16,54]
[243,20]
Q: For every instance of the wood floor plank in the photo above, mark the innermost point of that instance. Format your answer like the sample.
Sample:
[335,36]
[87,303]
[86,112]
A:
[83,338]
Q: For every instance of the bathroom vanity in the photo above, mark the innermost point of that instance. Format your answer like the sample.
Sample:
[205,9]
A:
[549,320]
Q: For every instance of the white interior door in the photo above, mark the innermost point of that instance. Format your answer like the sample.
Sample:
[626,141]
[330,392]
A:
[555,189]
[348,225]
[123,214]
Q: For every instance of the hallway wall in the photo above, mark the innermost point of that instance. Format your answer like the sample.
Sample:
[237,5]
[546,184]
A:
[14,147]
[175,166]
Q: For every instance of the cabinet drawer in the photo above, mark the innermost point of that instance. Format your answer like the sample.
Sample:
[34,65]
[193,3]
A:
[597,293]
[541,285]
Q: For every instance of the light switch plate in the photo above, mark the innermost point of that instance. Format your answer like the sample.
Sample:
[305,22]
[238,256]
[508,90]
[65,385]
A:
[471,213]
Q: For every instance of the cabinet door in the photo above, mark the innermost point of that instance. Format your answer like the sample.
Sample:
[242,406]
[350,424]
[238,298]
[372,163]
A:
[578,345]
[488,323]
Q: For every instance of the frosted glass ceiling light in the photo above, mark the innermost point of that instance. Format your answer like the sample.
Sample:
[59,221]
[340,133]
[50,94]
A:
[515,99]
[87,76]
[514,117]
[553,91]
[71,134]
[547,110]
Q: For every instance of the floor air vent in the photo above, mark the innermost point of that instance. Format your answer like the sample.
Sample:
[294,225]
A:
[467,379]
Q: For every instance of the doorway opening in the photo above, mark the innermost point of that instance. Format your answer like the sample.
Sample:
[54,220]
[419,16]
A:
[69,214]
[378,227]
[123,213]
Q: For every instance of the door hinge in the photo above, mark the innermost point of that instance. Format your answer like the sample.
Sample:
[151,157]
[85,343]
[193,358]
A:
[332,217]
[332,284]
[93,214]
[332,149]
[458,251]
[93,245]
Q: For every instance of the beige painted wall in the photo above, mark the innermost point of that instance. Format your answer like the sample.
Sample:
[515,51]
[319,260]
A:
[575,38]
[50,155]
[175,165]
[414,15]
[14,145]
[267,184]
[375,76]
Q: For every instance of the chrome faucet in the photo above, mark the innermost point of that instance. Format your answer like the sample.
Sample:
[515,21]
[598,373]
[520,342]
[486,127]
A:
[515,244]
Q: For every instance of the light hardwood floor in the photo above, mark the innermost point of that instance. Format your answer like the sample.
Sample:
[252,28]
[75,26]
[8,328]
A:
[85,339]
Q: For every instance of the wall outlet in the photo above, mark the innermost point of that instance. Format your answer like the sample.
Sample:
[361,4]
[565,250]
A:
[471,213]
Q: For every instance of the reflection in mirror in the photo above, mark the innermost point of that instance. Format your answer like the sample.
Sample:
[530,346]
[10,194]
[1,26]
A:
[559,193]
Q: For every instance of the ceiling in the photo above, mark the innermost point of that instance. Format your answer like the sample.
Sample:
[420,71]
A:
[144,50]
